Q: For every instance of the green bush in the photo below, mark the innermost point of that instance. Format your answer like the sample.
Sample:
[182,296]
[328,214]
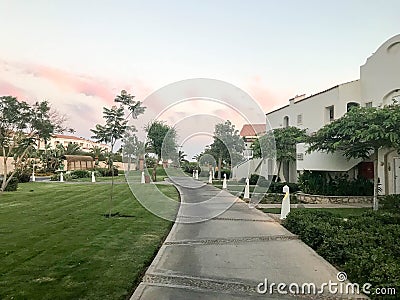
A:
[322,183]
[105,172]
[80,174]
[12,185]
[227,172]
[23,176]
[390,202]
[366,247]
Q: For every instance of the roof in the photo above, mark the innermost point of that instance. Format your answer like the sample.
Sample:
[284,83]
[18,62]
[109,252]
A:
[78,158]
[71,137]
[253,129]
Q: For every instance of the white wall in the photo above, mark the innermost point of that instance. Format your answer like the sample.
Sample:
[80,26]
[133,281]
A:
[319,161]
[380,75]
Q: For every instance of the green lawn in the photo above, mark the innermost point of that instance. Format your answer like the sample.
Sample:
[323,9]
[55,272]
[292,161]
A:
[343,212]
[57,244]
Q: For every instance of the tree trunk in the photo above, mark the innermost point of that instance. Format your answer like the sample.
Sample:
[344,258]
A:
[219,167]
[279,170]
[376,179]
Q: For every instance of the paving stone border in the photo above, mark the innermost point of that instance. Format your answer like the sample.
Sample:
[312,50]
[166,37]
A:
[237,240]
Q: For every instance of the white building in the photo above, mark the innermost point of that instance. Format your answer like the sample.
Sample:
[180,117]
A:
[249,133]
[84,144]
[379,84]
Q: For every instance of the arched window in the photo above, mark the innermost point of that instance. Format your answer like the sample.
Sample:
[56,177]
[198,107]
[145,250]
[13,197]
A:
[286,121]
[352,104]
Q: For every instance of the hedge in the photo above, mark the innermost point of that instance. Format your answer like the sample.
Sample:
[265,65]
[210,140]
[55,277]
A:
[366,247]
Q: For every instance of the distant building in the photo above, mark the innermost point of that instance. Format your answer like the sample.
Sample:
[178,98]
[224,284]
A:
[84,144]
[249,133]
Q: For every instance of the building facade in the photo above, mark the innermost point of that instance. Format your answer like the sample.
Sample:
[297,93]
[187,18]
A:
[64,140]
[378,85]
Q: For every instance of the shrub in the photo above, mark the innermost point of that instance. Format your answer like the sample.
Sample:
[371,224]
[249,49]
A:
[80,174]
[105,172]
[390,202]
[322,183]
[366,246]
[12,185]
[253,179]
[227,172]
[23,176]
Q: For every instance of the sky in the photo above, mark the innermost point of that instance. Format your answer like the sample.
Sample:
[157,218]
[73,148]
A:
[79,54]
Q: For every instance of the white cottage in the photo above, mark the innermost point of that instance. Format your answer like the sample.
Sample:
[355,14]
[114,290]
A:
[379,84]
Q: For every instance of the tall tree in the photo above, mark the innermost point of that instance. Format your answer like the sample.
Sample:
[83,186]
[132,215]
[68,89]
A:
[162,140]
[285,145]
[228,146]
[361,133]
[116,125]
[21,125]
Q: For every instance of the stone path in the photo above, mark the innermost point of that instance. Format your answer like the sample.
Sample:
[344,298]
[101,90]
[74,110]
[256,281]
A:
[226,256]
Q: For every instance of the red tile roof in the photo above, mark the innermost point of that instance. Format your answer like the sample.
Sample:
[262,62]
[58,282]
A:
[253,129]
[71,137]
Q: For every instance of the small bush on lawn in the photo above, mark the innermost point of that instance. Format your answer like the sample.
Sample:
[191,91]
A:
[227,172]
[12,185]
[80,174]
[105,172]
[366,247]
[23,176]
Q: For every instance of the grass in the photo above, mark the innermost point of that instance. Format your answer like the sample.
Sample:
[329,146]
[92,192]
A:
[342,212]
[56,243]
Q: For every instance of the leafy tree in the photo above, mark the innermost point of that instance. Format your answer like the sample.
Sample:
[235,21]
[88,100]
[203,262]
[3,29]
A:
[162,140]
[284,147]
[133,149]
[72,149]
[96,153]
[361,133]
[116,126]
[21,124]
[228,146]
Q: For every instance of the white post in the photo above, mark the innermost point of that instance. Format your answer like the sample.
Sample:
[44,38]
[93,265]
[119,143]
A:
[224,185]
[93,177]
[61,177]
[210,178]
[285,209]
[33,174]
[197,174]
[247,190]
[143,180]
[193,174]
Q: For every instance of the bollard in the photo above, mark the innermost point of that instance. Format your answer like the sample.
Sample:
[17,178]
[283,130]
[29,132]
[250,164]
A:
[93,177]
[197,174]
[247,190]
[210,178]
[33,176]
[193,174]
[61,177]
[143,179]
[224,185]
[285,209]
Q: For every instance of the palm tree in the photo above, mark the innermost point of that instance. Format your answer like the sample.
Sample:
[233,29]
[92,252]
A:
[96,153]
[72,149]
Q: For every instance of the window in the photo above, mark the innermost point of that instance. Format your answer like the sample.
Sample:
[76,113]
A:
[368,104]
[350,105]
[299,119]
[286,121]
[330,113]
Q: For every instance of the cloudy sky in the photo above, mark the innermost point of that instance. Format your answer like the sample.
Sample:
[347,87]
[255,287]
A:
[80,54]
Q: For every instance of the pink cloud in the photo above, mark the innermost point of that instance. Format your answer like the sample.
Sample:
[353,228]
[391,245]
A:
[263,94]
[7,89]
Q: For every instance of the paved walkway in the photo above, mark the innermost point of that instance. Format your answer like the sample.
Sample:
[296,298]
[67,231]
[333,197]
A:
[227,256]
